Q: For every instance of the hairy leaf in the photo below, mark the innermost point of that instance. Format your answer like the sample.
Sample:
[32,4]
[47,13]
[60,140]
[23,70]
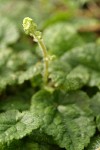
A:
[15,125]
[79,98]
[67,124]
[37,146]
[98,122]
[19,100]
[8,32]
[95,104]
[87,56]
[29,145]
[94,144]
[39,136]
[16,68]
[68,79]
[62,37]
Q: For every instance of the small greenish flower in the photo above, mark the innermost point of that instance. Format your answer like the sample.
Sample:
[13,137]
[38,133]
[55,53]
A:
[38,34]
[29,26]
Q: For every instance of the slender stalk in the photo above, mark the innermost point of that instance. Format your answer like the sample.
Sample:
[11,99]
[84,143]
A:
[45,58]
[30,28]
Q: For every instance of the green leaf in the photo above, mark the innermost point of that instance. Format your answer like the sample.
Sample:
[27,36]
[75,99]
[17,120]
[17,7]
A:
[33,145]
[68,79]
[95,104]
[8,32]
[94,144]
[62,37]
[74,131]
[77,78]
[29,74]
[79,98]
[37,146]
[19,100]
[94,79]
[15,125]
[58,70]
[28,143]
[39,136]
[67,124]
[17,67]
[98,122]
[7,79]
[88,56]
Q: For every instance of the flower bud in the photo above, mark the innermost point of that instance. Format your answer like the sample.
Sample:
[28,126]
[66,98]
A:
[29,26]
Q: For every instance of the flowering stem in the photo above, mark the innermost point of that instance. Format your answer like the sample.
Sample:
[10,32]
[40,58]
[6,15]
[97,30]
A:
[30,28]
[45,55]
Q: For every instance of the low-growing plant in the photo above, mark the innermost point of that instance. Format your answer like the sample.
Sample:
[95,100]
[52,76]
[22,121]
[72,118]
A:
[63,113]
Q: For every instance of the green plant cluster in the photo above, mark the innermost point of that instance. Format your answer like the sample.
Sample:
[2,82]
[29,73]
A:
[62,113]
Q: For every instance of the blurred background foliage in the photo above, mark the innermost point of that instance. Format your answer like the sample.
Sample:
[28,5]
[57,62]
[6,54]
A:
[78,13]
[65,24]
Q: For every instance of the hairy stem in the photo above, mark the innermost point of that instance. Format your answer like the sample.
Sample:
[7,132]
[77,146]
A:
[45,56]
